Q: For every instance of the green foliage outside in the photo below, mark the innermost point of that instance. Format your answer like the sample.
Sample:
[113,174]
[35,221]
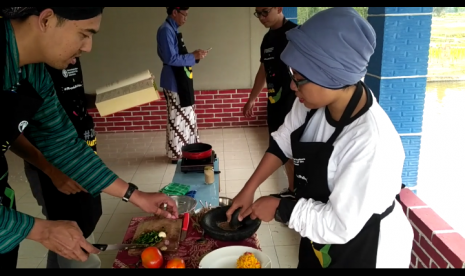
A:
[447,47]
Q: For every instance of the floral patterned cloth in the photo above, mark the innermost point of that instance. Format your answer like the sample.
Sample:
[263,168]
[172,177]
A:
[190,250]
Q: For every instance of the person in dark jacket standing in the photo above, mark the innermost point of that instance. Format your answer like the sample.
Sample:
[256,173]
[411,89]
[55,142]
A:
[274,74]
[69,203]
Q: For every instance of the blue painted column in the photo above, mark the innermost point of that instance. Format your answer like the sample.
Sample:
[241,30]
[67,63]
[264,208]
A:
[397,74]
[290,13]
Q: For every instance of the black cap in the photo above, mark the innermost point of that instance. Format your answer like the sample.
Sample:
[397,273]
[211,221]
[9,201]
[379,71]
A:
[69,13]
[169,10]
[75,13]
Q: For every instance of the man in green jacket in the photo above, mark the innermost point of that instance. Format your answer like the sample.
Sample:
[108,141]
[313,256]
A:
[32,36]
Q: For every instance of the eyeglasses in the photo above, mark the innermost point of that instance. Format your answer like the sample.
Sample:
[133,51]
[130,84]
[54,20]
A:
[185,15]
[263,13]
[297,83]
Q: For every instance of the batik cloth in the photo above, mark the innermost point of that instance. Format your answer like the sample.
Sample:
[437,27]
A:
[181,128]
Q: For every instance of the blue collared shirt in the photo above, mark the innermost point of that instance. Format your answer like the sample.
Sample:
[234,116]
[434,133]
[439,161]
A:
[167,48]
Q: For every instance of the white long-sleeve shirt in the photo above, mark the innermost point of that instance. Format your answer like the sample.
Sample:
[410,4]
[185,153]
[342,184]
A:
[364,176]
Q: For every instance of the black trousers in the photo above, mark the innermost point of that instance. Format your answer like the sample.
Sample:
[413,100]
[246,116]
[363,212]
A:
[9,260]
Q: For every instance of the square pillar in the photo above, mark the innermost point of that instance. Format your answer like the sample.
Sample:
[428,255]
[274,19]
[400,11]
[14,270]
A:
[397,74]
[290,13]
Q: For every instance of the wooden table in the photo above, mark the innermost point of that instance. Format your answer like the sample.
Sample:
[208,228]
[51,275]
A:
[190,250]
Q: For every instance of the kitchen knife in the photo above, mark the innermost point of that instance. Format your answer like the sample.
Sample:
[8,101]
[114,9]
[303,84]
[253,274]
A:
[185,226]
[110,247]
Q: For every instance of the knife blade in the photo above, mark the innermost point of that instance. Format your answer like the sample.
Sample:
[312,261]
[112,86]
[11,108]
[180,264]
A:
[185,226]
[110,247]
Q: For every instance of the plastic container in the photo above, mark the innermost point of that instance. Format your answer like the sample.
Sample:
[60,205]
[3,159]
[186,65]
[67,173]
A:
[209,175]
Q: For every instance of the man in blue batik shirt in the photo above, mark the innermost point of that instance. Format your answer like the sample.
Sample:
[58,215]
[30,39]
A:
[177,82]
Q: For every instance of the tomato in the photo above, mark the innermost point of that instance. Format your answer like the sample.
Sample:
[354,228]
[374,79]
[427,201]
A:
[176,263]
[152,258]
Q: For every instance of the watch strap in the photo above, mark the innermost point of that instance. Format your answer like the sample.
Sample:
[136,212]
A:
[129,192]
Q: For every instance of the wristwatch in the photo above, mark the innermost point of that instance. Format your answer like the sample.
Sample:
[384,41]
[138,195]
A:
[129,192]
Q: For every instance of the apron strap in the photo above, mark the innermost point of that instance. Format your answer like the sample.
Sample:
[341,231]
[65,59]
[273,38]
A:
[345,118]
[391,208]
[388,210]
[398,195]
[302,128]
[309,116]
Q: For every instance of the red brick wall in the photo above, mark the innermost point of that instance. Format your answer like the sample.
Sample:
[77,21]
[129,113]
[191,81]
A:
[214,108]
[436,244]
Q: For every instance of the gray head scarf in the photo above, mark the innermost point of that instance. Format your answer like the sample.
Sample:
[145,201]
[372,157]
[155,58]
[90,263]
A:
[332,49]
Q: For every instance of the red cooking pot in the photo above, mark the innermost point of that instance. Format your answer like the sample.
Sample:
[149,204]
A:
[196,151]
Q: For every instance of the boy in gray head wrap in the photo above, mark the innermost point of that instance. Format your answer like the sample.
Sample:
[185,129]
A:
[348,156]
[332,49]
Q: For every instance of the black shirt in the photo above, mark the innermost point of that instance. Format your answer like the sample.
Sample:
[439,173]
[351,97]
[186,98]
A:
[69,87]
[280,96]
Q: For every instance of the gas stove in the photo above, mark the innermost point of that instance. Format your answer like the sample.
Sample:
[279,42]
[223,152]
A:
[190,165]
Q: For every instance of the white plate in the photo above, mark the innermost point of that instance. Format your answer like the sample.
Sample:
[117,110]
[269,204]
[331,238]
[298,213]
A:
[227,257]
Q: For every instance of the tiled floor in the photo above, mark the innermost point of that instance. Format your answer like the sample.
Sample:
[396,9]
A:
[139,158]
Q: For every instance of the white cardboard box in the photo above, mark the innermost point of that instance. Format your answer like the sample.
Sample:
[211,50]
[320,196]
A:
[125,94]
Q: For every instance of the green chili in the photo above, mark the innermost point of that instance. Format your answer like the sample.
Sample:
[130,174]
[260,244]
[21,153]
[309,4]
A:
[150,238]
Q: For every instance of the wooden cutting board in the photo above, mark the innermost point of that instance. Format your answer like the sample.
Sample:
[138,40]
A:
[172,228]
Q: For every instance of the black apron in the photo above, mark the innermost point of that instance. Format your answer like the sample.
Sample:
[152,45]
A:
[313,159]
[82,207]
[10,259]
[69,87]
[280,96]
[17,107]
[183,76]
